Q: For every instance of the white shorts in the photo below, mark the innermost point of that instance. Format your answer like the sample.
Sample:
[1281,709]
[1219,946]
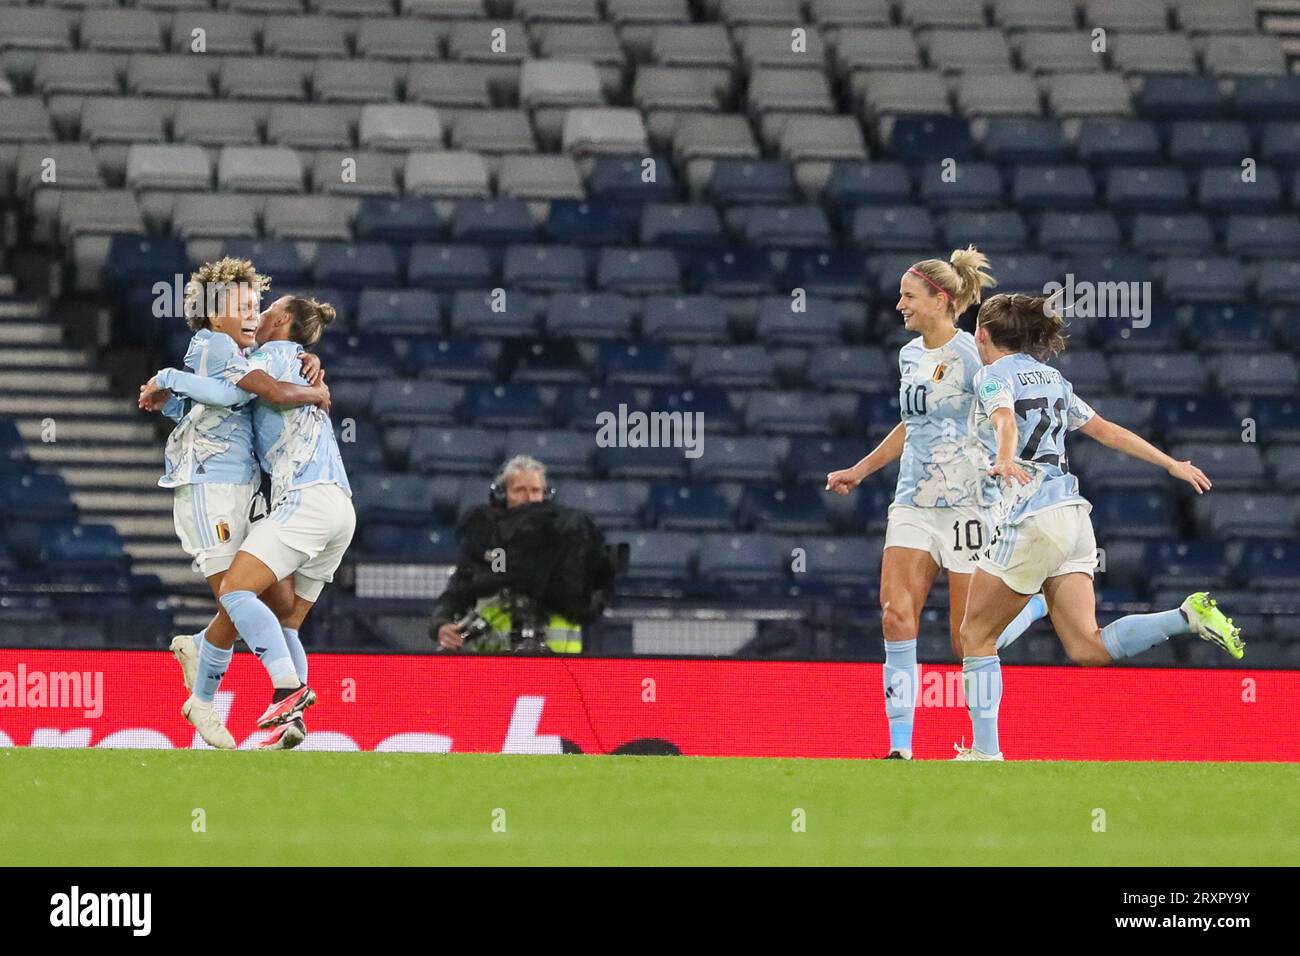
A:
[1042,546]
[953,537]
[306,535]
[212,521]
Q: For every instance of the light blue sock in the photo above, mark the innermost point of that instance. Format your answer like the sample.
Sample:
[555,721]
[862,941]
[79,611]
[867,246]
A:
[199,641]
[296,652]
[1141,632]
[983,678]
[263,635]
[1031,612]
[900,692]
[213,662]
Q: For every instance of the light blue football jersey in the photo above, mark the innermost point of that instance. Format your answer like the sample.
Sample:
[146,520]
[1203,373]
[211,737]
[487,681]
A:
[211,443]
[937,468]
[1046,408]
[296,446]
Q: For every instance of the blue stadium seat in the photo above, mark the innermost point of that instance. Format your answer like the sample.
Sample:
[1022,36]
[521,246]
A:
[544,268]
[931,138]
[279,258]
[1233,326]
[733,366]
[625,179]
[753,558]
[1159,331]
[1263,235]
[685,318]
[428,543]
[547,361]
[35,496]
[82,547]
[649,463]
[852,368]
[638,271]
[740,458]
[1133,514]
[1277,419]
[1110,141]
[1278,281]
[413,311]
[361,447]
[1230,466]
[711,402]
[1074,232]
[1027,273]
[134,261]
[565,454]
[1103,468]
[640,363]
[786,227]
[578,406]
[1180,373]
[686,507]
[493,220]
[611,504]
[878,182]
[838,562]
[660,556]
[1147,188]
[1179,96]
[405,402]
[1221,189]
[1196,418]
[790,413]
[357,265]
[1243,514]
[351,399]
[358,357]
[812,457]
[778,324]
[1135,414]
[603,315]
[751,181]
[1266,97]
[1279,144]
[1270,565]
[493,313]
[891,227]
[13,450]
[1284,464]
[827,272]
[997,230]
[1200,279]
[409,219]
[1025,140]
[506,406]
[1209,143]
[1186,565]
[1087,371]
[681,225]
[592,222]
[397,498]
[458,450]
[730,271]
[974,186]
[455,266]
[453,360]
[1183,233]
[1053,187]
[1253,376]
[793,510]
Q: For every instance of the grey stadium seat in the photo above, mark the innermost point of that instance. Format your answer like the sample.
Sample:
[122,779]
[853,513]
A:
[647,11]
[400,126]
[209,215]
[860,48]
[472,41]
[224,34]
[24,119]
[404,39]
[850,13]
[968,51]
[122,120]
[676,88]
[604,130]
[182,74]
[577,11]
[823,138]
[999,94]
[590,42]
[115,30]
[539,177]
[261,169]
[458,85]
[351,8]
[706,44]
[74,167]
[773,46]
[262,78]
[355,81]
[168,166]
[1127,16]
[35,28]
[313,126]
[1213,16]
[714,136]
[84,73]
[217,123]
[961,14]
[1034,14]
[1153,53]
[371,173]
[1058,52]
[304,36]
[772,89]
[308,217]
[889,92]
[493,131]
[558,83]
[102,212]
[767,12]
[265,7]
[445,9]
[1081,94]
[1259,55]
[449,174]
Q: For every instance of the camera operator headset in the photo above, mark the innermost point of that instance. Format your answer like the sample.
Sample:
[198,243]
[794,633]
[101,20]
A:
[522,480]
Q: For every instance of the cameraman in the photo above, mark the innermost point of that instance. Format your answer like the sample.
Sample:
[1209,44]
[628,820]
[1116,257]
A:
[565,564]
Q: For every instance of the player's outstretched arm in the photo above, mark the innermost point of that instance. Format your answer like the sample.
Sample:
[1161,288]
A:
[890,449]
[200,388]
[1008,435]
[1121,439]
[284,394]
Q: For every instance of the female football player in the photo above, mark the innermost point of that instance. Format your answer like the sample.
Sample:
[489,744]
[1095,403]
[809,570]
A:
[935,521]
[1044,539]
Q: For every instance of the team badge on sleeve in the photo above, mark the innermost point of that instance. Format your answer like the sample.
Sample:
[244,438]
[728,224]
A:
[990,388]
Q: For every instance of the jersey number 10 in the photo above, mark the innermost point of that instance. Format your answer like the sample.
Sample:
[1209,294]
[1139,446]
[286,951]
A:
[913,399]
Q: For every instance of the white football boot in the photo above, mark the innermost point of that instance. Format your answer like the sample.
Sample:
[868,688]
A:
[202,715]
[183,649]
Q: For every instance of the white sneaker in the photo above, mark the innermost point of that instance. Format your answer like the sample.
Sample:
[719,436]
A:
[969,753]
[183,649]
[203,716]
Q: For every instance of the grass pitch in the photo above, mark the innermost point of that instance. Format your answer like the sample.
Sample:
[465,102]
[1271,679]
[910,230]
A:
[134,807]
